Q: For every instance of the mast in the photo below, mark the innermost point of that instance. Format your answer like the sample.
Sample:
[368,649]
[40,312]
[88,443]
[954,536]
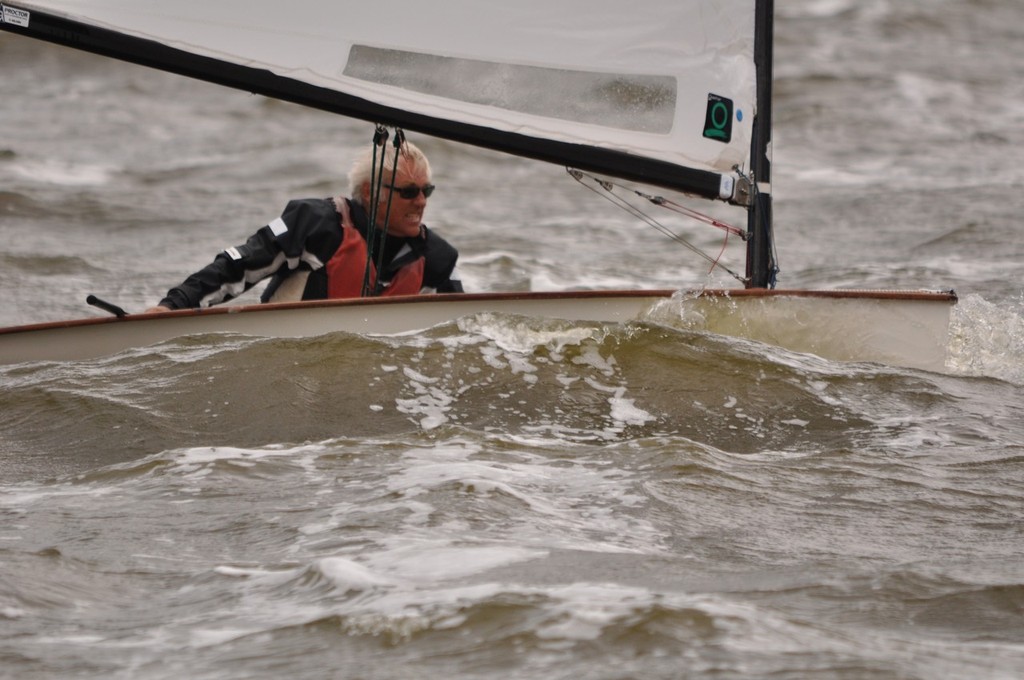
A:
[760,260]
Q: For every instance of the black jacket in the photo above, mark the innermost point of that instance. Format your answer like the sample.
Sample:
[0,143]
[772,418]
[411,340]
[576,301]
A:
[303,239]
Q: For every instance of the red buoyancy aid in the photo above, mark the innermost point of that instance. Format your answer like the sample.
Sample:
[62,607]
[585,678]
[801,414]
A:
[347,266]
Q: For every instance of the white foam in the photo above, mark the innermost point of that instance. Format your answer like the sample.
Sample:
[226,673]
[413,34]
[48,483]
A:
[428,562]
[524,348]
[828,8]
[592,357]
[214,638]
[582,611]
[987,339]
[625,411]
[62,173]
[553,493]
[481,477]
[925,93]
[431,406]
[349,575]
[521,337]
[241,572]
[196,463]
[12,612]
[418,377]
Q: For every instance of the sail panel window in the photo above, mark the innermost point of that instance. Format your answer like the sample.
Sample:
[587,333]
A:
[642,103]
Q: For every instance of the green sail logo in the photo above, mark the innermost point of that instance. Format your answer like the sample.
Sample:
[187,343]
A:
[718,119]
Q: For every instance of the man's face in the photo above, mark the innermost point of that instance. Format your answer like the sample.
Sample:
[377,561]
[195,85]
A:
[406,213]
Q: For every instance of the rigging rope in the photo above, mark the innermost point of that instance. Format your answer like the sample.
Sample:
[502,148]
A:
[609,195]
[375,238]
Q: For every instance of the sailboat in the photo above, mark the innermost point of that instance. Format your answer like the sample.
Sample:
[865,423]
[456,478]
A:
[667,94]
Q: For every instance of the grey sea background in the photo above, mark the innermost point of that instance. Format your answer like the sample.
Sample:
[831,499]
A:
[507,497]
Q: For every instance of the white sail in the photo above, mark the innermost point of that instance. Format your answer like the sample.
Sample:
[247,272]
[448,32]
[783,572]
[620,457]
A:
[670,81]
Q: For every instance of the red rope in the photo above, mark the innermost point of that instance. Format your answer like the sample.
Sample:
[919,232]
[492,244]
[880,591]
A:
[690,212]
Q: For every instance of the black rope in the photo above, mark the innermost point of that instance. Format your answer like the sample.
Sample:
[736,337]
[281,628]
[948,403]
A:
[380,137]
[399,142]
[376,238]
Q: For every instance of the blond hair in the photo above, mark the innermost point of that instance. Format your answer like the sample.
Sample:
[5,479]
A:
[363,170]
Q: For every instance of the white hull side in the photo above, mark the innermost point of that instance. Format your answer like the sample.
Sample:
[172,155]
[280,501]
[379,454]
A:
[911,332]
[908,330]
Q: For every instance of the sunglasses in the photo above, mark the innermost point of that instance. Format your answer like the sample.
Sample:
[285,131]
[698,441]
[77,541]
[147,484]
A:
[412,191]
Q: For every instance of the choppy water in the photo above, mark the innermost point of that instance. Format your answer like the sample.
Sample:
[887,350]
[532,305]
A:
[507,497]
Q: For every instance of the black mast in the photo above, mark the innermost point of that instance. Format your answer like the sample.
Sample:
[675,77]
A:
[760,259]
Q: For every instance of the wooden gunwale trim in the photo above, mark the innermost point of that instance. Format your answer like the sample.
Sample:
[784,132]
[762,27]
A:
[922,295]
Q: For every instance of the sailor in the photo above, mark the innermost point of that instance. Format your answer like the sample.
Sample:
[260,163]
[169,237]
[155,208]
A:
[321,248]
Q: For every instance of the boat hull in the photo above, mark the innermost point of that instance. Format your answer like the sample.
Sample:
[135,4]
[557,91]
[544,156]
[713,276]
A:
[898,328]
[909,329]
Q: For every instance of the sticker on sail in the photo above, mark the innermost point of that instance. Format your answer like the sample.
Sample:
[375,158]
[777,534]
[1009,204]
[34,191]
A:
[13,15]
[718,120]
